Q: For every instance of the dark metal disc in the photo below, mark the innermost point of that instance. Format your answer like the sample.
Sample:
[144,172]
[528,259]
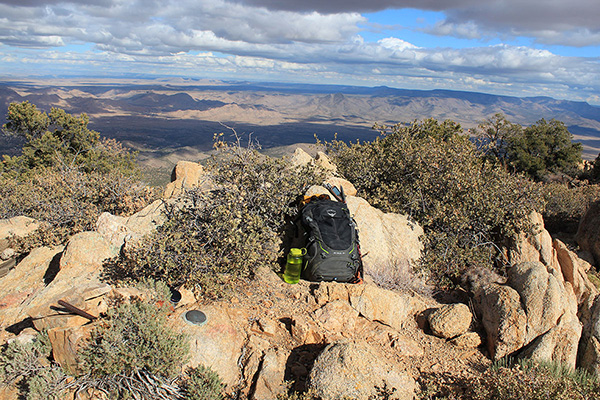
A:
[195,317]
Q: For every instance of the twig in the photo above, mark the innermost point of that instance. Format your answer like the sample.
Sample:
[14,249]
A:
[76,310]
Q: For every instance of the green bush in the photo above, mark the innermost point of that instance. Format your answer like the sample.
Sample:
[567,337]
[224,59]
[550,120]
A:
[537,150]
[201,383]
[59,139]
[544,147]
[135,337]
[29,366]
[155,291]
[135,353]
[48,384]
[567,205]
[19,360]
[66,176]
[433,173]
[69,201]
[525,380]
[212,237]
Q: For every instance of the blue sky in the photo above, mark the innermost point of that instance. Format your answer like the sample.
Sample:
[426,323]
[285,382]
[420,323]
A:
[510,47]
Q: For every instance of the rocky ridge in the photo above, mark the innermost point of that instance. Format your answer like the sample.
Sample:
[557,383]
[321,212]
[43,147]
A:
[271,335]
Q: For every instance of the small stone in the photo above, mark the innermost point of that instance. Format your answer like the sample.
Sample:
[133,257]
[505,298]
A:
[321,294]
[450,320]
[187,297]
[467,340]
[299,329]
[8,254]
[436,367]
[266,326]
[26,336]
[267,303]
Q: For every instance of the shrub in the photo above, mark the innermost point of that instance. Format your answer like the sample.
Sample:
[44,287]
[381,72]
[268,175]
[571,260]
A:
[22,360]
[543,148]
[525,380]
[66,176]
[135,337]
[493,135]
[567,205]
[155,291]
[69,201]
[401,278]
[201,383]
[537,150]
[50,383]
[29,365]
[59,139]
[434,174]
[135,353]
[213,237]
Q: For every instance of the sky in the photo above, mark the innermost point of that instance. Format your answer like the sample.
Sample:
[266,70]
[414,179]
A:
[506,47]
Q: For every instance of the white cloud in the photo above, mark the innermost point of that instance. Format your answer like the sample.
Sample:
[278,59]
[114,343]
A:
[395,44]
[138,26]
[569,23]
[271,38]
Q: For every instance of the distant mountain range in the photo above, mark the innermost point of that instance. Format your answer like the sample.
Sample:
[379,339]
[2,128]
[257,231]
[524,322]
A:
[162,118]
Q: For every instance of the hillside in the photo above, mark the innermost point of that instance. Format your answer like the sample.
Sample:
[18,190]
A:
[113,289]
[161,117]
[387,338]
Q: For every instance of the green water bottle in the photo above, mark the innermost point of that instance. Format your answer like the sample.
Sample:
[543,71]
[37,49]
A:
[293,266]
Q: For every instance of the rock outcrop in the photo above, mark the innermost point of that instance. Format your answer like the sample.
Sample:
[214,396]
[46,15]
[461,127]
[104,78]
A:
[561,310]
[503,319]
[120,230]
[574,271]
[390,308]
[373,303]
[554,254]
[533,247]
[20,226]
[217,343]
[589,356]
[23,282]
[186,175]
[390,240]
[588,232]
[300,158]
[47,275]
[553,329]
[77,280]
[536,310]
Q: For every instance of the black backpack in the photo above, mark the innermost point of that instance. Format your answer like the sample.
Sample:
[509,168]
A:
[332,250]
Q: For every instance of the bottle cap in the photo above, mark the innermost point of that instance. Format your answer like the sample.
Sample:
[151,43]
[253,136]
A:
[296,252]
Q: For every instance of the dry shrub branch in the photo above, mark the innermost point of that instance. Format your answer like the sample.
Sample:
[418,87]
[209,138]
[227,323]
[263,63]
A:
[212,237]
